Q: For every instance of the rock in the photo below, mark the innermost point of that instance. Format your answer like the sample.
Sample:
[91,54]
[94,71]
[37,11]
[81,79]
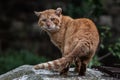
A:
[26,72]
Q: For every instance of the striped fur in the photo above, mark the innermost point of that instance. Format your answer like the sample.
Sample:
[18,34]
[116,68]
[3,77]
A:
[77,39]
[53,65]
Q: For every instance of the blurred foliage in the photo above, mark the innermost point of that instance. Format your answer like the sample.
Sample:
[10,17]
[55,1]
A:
[94,62]
[108,43]
[115,48]
[88,8]
[12,59]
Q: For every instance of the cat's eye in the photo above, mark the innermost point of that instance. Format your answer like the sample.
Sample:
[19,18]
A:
[44,19]
[52,19]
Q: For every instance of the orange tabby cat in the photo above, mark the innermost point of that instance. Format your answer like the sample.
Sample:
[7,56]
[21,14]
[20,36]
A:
[77,39]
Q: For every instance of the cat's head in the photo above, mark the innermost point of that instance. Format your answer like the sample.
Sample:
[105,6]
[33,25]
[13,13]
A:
[50,20]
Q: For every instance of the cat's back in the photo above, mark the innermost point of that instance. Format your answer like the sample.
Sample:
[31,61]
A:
[81,26]
[85,24]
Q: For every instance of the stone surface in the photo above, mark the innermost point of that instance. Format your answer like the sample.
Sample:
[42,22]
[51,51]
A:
[26,72]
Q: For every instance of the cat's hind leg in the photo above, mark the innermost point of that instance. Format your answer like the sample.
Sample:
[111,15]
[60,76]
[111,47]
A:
[77,64]
[82,69]
[84,63]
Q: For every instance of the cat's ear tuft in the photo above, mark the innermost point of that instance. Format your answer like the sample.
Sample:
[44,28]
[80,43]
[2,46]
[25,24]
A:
[58,11]
[37,13]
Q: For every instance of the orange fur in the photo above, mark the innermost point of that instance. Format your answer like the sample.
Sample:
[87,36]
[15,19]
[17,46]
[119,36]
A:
[77,39]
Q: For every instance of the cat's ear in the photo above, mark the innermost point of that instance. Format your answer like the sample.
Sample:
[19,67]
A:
[37,13]
[58,11]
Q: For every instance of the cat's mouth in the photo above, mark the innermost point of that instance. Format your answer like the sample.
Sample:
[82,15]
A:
[51,28]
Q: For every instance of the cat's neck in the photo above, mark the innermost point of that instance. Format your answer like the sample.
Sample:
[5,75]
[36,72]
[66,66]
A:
[66,20]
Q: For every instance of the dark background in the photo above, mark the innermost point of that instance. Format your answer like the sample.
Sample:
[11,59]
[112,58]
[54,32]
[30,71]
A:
[22,42]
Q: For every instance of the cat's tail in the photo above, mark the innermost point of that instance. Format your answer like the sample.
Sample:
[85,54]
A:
[57,64]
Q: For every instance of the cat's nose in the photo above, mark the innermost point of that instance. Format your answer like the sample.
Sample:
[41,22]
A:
[48,24]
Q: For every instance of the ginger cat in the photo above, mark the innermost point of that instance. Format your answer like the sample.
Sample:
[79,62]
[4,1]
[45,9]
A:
[77,39]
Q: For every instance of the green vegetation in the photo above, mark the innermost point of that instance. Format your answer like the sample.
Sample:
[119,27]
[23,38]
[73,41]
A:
[109,44]
[12,59]
[88,8]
